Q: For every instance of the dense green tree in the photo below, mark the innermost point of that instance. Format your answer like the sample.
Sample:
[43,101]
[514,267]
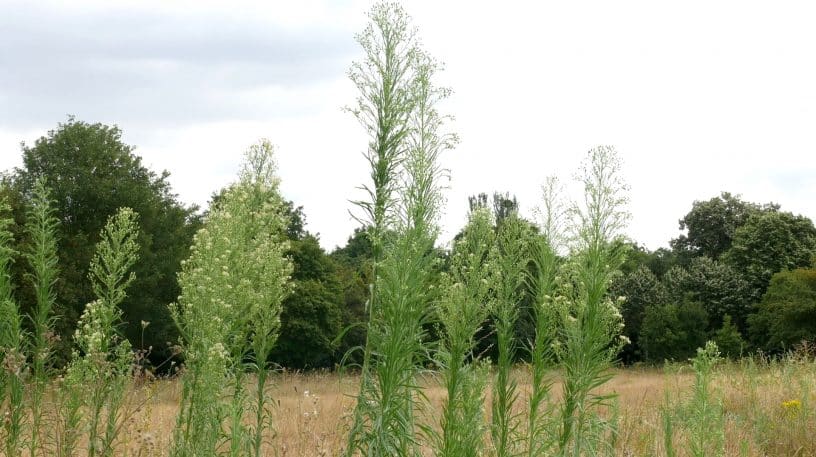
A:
[715,285]
[658,261]
[673,332]
[770,242]
[357,252]
[638,256]
[477,201]
[504,206]
[711,225]
[787,313]
[661,261]
[92,173]
[641,289]
[676,281]
[312,315]
[354,267]
[720,289]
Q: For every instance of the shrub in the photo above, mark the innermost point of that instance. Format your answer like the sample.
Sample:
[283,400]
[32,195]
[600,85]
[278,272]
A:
[787,313]
[729,339]
[673,332]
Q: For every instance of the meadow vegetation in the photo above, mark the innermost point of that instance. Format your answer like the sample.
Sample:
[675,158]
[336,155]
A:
[512,342]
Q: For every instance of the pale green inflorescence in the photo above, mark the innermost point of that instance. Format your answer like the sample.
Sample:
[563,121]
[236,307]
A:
[397,107]
[463,308]
[233,285]
[590,320]
[100,370]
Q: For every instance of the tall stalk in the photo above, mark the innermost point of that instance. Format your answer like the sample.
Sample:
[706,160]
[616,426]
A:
[706,421]
[259,173]
[102,366]
[462,310]
[12,340]
[396,106]
[41,227]
[510,252]
[383,107]
[591,321]
[232,285]
[544,285]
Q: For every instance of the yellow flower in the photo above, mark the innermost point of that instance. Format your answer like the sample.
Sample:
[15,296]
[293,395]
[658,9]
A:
[792,408]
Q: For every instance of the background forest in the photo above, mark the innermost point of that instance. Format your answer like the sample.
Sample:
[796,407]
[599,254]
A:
[740,273]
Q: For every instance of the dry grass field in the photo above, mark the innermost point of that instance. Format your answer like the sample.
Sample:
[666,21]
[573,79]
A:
[313,410]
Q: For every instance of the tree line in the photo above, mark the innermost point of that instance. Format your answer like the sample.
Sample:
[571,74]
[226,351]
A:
[742,273]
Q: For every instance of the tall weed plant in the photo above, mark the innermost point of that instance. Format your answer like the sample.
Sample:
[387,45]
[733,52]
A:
[701,416]
[397,107]
[41,228]
[510,252]
[463,309]
[232,285]
[544,285]
[100,370]
[591,322]
[12,341]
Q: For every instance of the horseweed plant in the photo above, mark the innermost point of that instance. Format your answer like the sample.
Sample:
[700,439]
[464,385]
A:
[41,228]
[12,339]
[101,367]
[383,108]
[590,320]
[229,311]
[707,421]
[544,286]
[510,254]
[462,310]
[704,418]
[397,107]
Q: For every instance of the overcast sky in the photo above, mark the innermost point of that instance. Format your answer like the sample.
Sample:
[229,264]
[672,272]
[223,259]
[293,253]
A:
[698,97]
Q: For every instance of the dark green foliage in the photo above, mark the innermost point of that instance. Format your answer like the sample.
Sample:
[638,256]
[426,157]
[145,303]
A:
[673,332]
[658,261]
[770,242]
[477,201]
[312,315]
[357,252]
[641,290]
[353,263]
[661,260]
[92,173]
[711,225]
[787,314]
[729,339]
[715,285]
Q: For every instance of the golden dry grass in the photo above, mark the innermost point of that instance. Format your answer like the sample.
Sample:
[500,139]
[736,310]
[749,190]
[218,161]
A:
[312,410]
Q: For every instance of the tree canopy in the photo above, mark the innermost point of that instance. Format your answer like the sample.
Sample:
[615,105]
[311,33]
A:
[739,268]
[711,225]
[91,173]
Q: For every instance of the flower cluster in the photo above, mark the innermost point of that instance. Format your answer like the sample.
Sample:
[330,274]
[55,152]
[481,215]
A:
[792,408]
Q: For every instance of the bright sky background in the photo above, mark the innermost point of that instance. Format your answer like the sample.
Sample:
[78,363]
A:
[698,97]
